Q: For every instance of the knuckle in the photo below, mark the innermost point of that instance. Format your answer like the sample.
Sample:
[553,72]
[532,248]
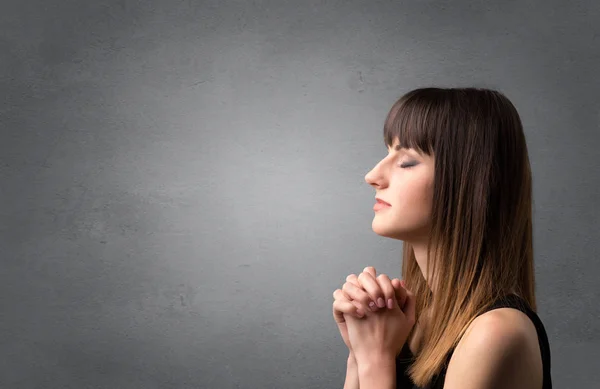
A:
[389,294]
[360,295]
[349,288]
[365,298]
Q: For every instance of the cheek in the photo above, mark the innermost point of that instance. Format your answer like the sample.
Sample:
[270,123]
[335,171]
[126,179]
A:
[415,194]
[413,209]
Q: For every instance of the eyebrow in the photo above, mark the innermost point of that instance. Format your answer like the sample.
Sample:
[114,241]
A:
[408,150]
[399,147]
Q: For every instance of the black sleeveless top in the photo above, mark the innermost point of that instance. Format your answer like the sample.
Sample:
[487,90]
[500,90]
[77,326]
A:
[404,359]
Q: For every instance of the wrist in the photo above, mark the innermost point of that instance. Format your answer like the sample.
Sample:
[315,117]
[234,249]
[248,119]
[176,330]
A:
[351,373]
[351,360]
[369,361]
[377,373]
[374,364]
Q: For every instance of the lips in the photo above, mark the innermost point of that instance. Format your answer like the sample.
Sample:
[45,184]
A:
[382,202]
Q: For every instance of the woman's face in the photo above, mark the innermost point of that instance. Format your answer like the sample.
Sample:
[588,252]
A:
[404,179]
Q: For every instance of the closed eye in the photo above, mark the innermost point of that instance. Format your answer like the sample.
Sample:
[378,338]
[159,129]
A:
[407,165]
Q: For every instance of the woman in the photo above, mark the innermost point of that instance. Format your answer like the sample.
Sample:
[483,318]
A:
[455,187]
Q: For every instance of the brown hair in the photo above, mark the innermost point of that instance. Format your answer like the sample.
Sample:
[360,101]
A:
[481,227]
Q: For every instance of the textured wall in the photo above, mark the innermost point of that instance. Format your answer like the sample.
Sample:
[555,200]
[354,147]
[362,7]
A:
[182,183]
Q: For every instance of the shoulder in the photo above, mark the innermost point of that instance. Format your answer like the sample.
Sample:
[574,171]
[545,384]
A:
[500,349]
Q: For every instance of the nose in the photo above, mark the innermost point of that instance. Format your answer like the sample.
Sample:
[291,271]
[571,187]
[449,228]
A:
[374,177]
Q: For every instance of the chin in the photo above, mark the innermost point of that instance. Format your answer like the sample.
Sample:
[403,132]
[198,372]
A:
[404,233]
[387,232]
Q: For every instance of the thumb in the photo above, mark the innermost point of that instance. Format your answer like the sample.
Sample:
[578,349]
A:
[399,291]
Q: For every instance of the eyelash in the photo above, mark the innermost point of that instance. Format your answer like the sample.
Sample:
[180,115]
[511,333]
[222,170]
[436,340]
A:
[408,165]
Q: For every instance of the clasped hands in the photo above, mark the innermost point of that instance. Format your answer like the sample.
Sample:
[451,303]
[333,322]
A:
[374,315]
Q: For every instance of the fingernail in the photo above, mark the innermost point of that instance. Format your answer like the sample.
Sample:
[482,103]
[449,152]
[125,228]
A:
[390,303]
[359,312]
[380,303]
[373,307]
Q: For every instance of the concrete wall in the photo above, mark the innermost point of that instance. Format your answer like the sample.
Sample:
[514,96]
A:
[182,183]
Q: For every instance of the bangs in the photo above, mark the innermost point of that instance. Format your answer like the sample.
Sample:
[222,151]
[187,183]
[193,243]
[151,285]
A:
[415,121]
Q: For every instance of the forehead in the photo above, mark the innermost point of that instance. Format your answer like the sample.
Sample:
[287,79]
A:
[395,146]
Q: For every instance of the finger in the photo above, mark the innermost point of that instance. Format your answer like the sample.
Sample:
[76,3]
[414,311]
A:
[341,307]
[353,279]
[357,294]
[400,292]
[370,285]
[388,291]
[371,271]
[339,294]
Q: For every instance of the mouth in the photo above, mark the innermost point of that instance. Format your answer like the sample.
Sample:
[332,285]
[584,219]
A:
[380,204]
[380,201]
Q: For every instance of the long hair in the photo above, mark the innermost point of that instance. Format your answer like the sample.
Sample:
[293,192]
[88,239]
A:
[480,243]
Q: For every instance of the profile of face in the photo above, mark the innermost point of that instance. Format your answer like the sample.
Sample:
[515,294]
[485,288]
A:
[403,179]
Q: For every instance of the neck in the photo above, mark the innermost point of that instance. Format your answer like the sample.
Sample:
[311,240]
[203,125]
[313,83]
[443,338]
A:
[420,250]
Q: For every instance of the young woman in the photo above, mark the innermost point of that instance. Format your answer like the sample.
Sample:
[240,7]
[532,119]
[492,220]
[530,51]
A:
[456,188]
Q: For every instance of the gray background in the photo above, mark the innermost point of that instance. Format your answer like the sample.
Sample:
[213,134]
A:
[183,182]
